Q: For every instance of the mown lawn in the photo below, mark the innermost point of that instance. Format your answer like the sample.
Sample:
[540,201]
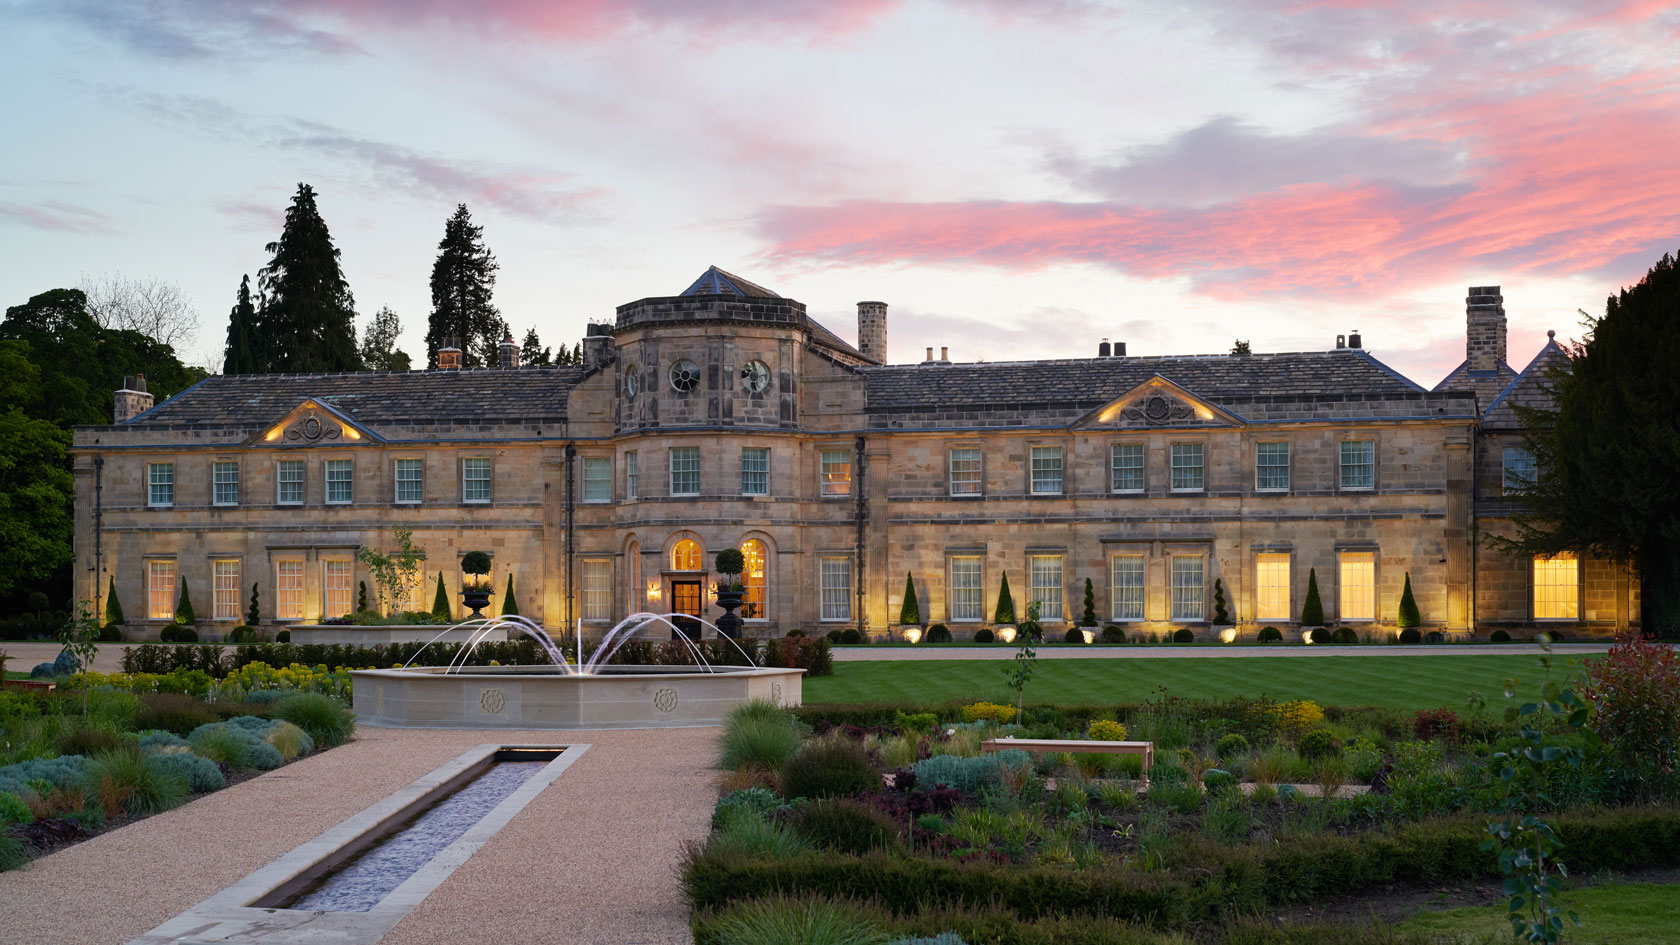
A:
[1406,682]
[1635,914]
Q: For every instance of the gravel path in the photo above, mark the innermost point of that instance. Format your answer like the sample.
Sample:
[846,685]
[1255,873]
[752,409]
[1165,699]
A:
[865,654]
[590,860]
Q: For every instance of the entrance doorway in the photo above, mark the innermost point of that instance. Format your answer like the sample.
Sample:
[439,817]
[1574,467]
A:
[686,598]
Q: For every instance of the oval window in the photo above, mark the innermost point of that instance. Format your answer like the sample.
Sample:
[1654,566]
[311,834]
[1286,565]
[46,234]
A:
[685,375]
[632,383]
[755,376]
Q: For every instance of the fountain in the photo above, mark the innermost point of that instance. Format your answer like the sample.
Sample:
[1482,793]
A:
[575,693]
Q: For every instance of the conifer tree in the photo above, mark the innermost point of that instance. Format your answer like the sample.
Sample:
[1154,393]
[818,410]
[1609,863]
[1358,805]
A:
[463,279]
[1221,614]
[379,343]
[910,614]
[241,355]
[532,352]
[113,607]
[1312,612]
[361,597]
[1409,615]
[510,607]
[253,616]
[1005,613]
[1089,617]
[308,318]
[184,608]
[440,602]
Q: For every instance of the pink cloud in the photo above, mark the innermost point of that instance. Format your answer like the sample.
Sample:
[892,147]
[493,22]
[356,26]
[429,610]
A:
[57,216]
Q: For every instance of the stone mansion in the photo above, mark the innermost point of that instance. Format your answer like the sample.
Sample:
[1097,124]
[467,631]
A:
[725,417]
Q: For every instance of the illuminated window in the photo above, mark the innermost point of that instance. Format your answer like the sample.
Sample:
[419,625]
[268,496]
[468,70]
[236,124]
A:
[597,588]
[225,589]
[1271,466]
[685,470]
[967,589]
[1187,467]
[288,482]
[224,483]
[632,476]
[411,593]
[685,555]
[1126,582]
[755,470]
[1519,469]
[1189,594]
[475,479]
[835,588]
[160,485]
[1126,468]
[339,474]
[1359,464]
[336,586]
[965,471]
[755,576]
[288,589]
[1046,470]
[597,479]
[1358,586]
[1555,588]
[633,557]
[160,588]
[836,472]
[1046,585]
[1271,586]
[410,480]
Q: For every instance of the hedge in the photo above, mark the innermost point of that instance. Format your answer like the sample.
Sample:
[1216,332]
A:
[993,926]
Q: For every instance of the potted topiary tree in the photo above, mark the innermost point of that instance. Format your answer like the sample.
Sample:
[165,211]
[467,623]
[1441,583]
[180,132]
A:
[475,589]
[729,563]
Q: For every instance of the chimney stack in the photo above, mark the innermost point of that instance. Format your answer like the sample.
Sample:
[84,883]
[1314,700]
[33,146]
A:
[1484,329]
[872,331]
[1119,349]
[132,400]
[598,346]
[1103,349]
[508,352]
[449,355]
[945,354]
[929,358]
[1354,340]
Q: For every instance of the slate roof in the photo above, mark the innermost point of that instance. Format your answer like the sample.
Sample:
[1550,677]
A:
[375,398]
[1486,384]
[1258,387]
[715,281]
[1527,389]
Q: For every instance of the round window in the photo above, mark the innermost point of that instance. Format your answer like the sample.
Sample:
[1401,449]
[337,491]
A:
[632,383]
[685,375]
[755,376]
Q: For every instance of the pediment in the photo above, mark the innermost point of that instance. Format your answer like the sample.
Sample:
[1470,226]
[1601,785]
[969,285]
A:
[1156,404]
[313,423]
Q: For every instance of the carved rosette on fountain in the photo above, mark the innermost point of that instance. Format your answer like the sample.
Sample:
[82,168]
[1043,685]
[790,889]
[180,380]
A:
[729,591]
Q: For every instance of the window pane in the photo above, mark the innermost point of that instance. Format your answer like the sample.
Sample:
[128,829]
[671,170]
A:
[836,472]
[636,602]
[1126,579]
[1188,596]
[1519,469]
[1126,468]
[410,484]
[685,470]
[755,471]
[685,556]
[1359,464]
[597,479]
[1555,588]
[597,588]
[288,477]
[754,576]
[965,472]
[225,589]
[1271,465]
[475,479]
[160,484]
[1186,467]
[1047,586]
[967,590]
[632,473]
[338,480]
[225,477]
[1047,469]
[1271,586]
[160,589]
[288,590]
[335,587]
[1358,585]
[836,588]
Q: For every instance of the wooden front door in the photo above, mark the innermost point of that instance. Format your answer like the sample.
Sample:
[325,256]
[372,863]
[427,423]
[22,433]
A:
[686,598]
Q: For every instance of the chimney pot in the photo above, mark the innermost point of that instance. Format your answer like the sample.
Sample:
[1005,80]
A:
[1119,349]
[1341,342]
[1103,349]
[944,353]
[929,354]
[1354,341]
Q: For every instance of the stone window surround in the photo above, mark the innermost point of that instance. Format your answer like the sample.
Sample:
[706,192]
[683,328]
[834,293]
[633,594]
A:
[151,480]
[950,485]
[239,600]
[1360,436]
[586,590]
[764,451]
[671,468]
[224,461]
[850,588]
[1174,490]
[1580,595]
[1506,469]
[326,480]
[397,480]
[1144,468]
[301,560]
[950,585]
[302,481]
[1289,604]
[1170,555]
[146,563]
[1288,466]
[326,560]
[1063,483]
[1376,582]
[632,476]
[1059,552]
[489,479]
[1142,554]
[584,461]
[823,450]
[769,574]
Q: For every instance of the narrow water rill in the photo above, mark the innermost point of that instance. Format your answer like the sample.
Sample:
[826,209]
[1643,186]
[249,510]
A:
[358,884]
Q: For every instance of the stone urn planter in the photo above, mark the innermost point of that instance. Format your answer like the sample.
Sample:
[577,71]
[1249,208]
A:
[729,563]
[475,592]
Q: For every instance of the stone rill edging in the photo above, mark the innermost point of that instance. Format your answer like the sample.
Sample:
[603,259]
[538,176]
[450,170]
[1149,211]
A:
[232,917]
[865,654]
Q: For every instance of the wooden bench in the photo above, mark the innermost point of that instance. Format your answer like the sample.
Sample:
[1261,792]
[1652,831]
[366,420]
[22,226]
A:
[1073,746]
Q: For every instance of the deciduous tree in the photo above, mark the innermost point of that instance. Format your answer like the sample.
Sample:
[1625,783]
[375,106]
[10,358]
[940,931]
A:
[379,343]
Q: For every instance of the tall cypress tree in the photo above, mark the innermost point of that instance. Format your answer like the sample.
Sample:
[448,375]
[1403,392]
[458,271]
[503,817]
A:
[463,279]
[308,317]
[242,355]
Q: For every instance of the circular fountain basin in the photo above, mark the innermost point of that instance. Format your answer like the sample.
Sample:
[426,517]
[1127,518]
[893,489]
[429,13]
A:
[545,697]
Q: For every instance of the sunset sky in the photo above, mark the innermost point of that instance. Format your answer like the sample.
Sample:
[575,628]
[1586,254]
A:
[1016,179]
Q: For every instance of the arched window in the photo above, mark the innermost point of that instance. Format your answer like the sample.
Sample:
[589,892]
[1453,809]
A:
[754,575]
[685,555]
[634,553]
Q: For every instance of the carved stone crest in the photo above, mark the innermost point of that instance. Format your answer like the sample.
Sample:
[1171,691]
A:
[311,430]
[776,693]
[492,701]
[665,700]
[1158,409]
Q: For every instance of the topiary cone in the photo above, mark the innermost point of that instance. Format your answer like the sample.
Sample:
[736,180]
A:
[910,615]
[440,602]
[1312,612]
[1005,613]
[1409,615]
[510,607]
[113,607]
